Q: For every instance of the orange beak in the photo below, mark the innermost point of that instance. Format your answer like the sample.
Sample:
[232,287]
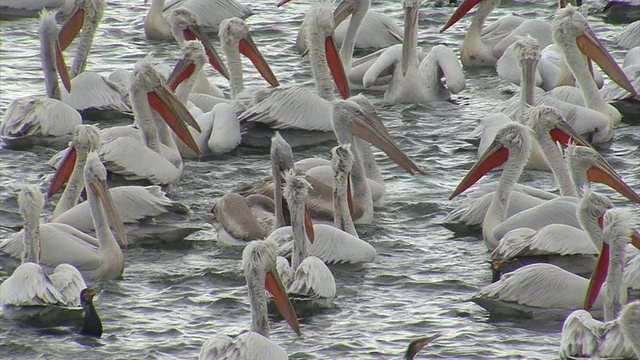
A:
[248,48]
[461,11]
[71,28]
[350,197]
[308,225]
[183,70]
[196,33]
[598,277]
[337,70]
[64,172]
[602,172]
[495,156]
[273,284]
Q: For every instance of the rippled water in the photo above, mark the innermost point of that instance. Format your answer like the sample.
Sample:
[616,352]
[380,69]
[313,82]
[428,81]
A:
[173,298]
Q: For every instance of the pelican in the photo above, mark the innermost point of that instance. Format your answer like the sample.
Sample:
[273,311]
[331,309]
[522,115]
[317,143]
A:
[310,275]
[211,13]
[185,25]
[93,95]
[629,320]
[414,80]
[378,30]
[150,154]
[29,285]
[565,246]
[582,335]
[630,36]
[259,264]
[42,120]
[482,47]
[338,243]
[31,8]
[148,215]
[96,258]
[295,108]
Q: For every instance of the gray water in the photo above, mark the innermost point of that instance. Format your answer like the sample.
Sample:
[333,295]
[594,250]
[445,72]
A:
[173,298]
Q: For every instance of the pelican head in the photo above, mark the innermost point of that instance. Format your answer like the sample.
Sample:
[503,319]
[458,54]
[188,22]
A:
[615,236]
[95,178]
[281,155]
[350,120]
[259,264]
[319,28]
[512,142]
[548,121]
[527,48]
[296,189]
[185,25]
[234,35]
[630,324]
[191,61]
[31,203]
[593,204]
[148,83]
[570,29]
[585,160]
[86,138]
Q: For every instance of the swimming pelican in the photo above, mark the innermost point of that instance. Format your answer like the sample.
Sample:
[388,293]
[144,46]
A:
[150,154]
[296,108]
[93,95]
[415,80]
[42,120]
[148,215]
[582,335]
[311,276]
[185,26]
[97,258]
[31,8]
[259,264]
[482,47]
[338,243]
[29,285]
[210,12]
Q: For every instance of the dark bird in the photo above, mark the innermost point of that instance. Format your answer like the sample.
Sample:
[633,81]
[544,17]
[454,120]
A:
[92,326]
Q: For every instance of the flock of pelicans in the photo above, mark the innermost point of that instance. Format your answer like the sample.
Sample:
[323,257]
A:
[544,246]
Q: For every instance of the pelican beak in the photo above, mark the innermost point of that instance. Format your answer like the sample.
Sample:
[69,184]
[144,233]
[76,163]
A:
[281,2]
[603,173]
[599,275]
[337,70]
[274,285]
[248,48]
[308,225]
[71,28]
[181,72]
[565,135]
[461,11]
[350,197]
[635,239]
[371,129]
[416,345]
[344,9]
[592,48]
[64,172]
[196,33]
[100,188]
[410,35]
[495,156]
[175,114]
[63,71]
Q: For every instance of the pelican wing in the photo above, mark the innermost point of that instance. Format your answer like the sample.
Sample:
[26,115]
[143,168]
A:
[630,36]
[499,29]
[133,160]
[613,343]
[290,108]
[234,213]
[25,7]
[376,32]
[29,285]
[68,280]
[38,116]
[632,273]
[386,61]
[314,279]
[580,335]
[553,239]
[249,345]
[91,91]
[211,13]
[449,66]
[611,91]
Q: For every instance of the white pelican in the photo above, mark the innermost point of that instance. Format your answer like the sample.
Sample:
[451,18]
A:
[93,95]
[338,243]
[571,33]
[630,36]
[378,30]
[29,285]
[414,80]
[583,336]
[629,320]
[296,108]
[482,47]
[210,12]
[30,8]
[150,154]
[311,276]
[259,264]
[185,26]
[567,247]
[42,120]
[97,258]
[148,215]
